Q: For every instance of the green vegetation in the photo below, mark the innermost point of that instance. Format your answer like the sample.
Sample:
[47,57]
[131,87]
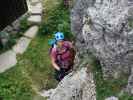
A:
[24,25]
[5,41]
[57,19]
[130,22]
[34,71]
[14,86]
[111,87]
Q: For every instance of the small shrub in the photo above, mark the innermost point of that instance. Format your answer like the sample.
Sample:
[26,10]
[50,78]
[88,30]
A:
[58,19]
[6,41]
[23,25]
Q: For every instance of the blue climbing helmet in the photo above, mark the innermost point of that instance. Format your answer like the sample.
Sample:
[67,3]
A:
[59,36]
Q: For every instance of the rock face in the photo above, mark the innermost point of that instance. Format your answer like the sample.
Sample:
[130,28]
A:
[109,36]
[102,27]
[77,13]
[76,86]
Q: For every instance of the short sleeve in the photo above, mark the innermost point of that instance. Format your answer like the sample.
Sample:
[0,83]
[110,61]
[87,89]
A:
[53,53]
[68,44]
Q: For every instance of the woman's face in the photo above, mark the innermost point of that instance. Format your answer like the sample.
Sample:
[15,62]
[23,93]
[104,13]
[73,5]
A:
[59,43]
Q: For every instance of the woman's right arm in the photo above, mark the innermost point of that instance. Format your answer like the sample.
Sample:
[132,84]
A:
[53,59]
[54,64]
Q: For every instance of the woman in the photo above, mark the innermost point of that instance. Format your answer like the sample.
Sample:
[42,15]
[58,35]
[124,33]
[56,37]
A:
[62,56]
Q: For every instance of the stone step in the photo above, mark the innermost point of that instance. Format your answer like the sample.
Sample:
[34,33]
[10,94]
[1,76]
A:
[21,45]
[31,32]
[37,5]
[34,1]
[36,9]
[35,19]
[112,98]
[7,60]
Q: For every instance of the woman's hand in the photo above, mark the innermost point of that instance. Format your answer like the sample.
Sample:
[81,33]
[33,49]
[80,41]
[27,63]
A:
[57,68]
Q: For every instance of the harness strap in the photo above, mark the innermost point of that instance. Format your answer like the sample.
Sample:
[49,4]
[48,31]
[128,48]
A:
[59,59]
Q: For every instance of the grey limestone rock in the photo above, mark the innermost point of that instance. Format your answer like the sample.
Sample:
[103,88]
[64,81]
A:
[76,86]
[109,37]
[102,27]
